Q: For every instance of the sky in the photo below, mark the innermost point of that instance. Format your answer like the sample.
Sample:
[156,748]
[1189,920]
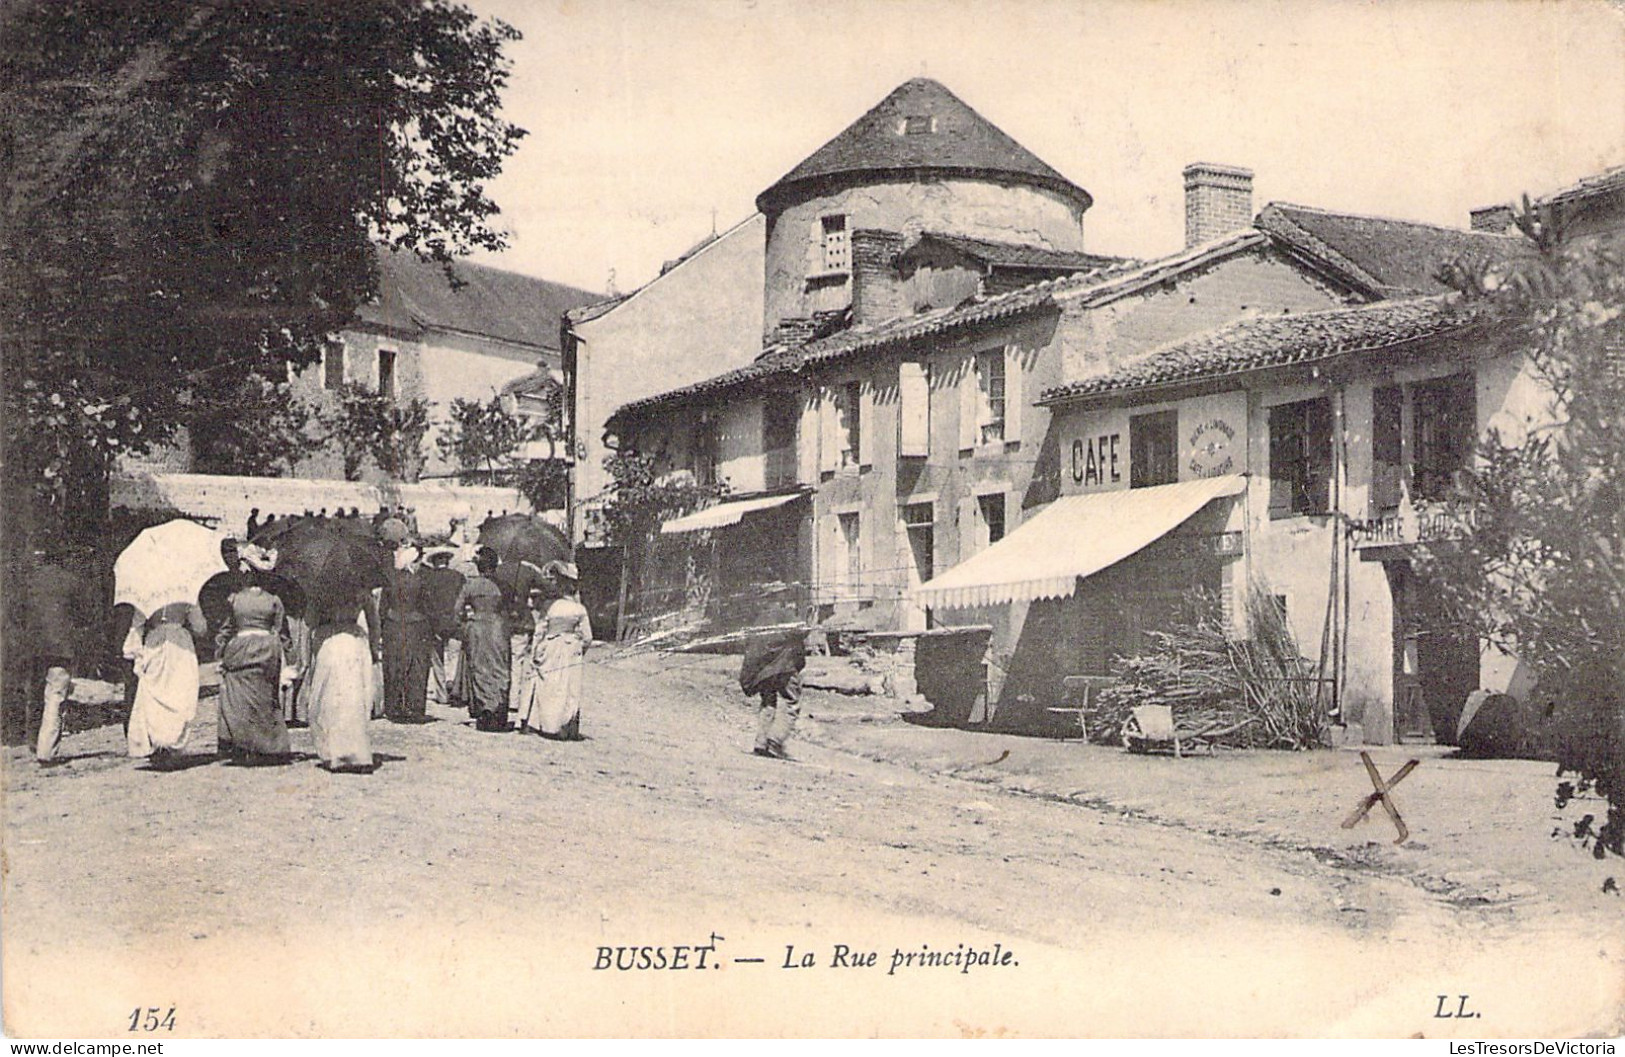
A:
[652,120]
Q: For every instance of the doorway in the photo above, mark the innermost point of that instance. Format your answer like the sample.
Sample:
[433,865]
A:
[1435,665]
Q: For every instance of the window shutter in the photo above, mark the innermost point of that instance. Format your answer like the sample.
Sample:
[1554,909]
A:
[913,410]
[1317,444]
[815,247]
[1280,476]
[1014,396]
[866,425]
[969,406]
[969,527]
[807,440]
[829,425]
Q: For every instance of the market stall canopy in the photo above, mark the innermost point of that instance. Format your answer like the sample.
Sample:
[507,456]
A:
[1074,537]
[724,514]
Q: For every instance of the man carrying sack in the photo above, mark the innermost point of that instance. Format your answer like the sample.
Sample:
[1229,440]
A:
[771,671]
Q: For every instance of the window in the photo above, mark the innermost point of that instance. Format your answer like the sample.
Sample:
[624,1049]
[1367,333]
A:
[1300,458]
[851,436]
[1153,449]
[837,257]
[703,451]
[1387,451]
[992,508]
[849,553]
[386,372]
[919,520]
[333,365]
[780,415]
[990,388]
[919,125]
[1446,413]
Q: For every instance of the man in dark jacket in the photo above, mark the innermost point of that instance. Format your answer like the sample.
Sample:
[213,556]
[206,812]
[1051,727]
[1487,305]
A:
[771,671]
[56,600]
[441,586]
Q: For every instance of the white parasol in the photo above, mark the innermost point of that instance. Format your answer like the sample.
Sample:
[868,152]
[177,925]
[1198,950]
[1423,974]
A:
[167,563]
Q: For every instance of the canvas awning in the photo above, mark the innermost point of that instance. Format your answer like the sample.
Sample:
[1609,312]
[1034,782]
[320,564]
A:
[1073,537]
[724,514]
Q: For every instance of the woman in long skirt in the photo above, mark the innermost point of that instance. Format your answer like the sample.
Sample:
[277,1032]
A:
[167,681]
[483,671]
[553,704]
[251,727]
[341,687]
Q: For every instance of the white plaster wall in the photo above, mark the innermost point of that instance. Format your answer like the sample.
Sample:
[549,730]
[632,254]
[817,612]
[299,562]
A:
[740,460]
[977,208]
[700,319]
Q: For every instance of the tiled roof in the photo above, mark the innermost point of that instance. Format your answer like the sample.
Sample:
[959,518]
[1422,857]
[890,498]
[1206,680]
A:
[1388,257]
[954,138]
[587,313]
[1605,182]
[1275,341]
[1087,288]
[1019,255]
[415,295]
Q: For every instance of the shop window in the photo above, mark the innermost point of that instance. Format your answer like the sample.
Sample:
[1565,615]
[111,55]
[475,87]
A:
[1300,458]
[837,250]
[333,365]
[1153,449]
[1387,453]
[990,388]
[386,372]
[992,509]
[1446,414]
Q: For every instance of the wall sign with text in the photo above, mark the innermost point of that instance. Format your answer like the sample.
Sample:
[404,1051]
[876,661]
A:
[1097,460]
[1211,450]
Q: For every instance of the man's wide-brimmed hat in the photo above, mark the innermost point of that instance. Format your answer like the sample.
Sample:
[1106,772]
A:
[439,555]
[562,570]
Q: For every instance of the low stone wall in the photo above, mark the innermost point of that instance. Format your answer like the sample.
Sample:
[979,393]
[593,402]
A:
[226,502]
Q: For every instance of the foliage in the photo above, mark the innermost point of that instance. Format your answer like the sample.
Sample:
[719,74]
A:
[640,497]
[484,437]
[1537,568]
[194,193]
[256,428]
[369,425]
[1252,689]
[544,483]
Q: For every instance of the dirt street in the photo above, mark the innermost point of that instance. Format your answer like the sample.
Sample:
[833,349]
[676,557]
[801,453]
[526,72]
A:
[471,885]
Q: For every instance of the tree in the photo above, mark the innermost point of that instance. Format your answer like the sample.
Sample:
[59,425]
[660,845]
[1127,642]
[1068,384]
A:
[195,192]
[255,427]
[369,425]
[1537,567]
[484,437]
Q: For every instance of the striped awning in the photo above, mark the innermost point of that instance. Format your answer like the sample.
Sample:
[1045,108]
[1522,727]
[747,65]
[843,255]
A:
[1074,537]
[724,514]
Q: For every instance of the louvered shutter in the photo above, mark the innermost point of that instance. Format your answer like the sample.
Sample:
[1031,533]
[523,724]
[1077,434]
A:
[866,424]
[1317,441]
[1014,393]
[913,411]
[829,425]
[970,419]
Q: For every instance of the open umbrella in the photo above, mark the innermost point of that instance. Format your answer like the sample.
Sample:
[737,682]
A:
[166,564]
[523,537]
[329,559]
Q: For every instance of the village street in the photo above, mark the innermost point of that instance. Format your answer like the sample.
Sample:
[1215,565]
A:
[469,886]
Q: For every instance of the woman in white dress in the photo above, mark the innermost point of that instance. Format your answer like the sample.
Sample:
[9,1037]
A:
[341,686]
[166,670]
[553,700]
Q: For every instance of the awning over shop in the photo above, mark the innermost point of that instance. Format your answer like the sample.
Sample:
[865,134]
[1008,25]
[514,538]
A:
[1075,536]
[724,514]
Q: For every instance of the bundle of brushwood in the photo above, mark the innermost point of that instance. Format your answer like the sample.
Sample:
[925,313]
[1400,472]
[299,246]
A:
[1257,692]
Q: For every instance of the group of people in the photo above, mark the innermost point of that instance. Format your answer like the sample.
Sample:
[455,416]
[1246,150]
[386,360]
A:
[508,640]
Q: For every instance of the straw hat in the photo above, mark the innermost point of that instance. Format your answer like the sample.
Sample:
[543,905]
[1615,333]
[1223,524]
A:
[563,570]
[258,558]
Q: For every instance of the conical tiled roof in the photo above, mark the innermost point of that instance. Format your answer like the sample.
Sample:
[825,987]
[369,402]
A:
[921,127]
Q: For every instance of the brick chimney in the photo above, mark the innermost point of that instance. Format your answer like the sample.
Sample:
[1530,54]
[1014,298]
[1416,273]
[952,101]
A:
[1218,201]
[1495,219]
[877,291]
